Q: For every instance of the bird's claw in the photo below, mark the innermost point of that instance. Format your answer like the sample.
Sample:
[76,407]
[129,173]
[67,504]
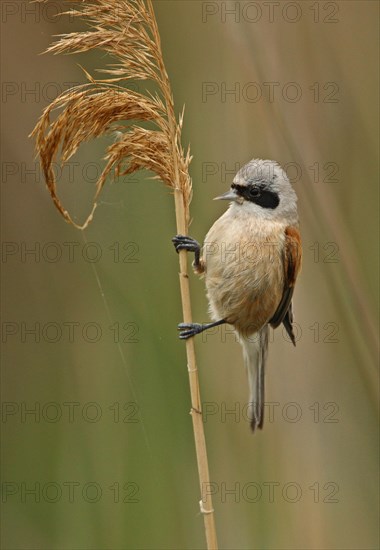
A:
[187,330]
[182,242]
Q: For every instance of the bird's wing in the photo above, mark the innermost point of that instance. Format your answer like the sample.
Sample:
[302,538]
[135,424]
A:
[292,266]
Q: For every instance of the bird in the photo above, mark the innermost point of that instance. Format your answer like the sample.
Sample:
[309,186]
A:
[250,260]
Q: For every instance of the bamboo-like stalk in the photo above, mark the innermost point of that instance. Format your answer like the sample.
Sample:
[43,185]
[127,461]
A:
[196,405]
[127,30]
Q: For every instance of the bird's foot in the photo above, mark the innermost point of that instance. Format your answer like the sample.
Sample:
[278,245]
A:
[187,330]
[182,242]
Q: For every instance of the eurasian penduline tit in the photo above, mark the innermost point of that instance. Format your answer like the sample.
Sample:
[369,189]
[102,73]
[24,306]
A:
[250,261]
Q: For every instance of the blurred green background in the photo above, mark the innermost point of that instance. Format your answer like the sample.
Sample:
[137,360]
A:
[109,449]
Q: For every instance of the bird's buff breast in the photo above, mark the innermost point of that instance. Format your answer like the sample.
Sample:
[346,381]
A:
[244,271]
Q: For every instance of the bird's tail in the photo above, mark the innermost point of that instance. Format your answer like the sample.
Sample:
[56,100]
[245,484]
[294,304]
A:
[255,349]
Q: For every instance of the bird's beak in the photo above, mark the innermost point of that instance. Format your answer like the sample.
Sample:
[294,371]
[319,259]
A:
[231,195]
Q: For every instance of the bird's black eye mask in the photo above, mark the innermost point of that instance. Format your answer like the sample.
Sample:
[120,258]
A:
[259,194]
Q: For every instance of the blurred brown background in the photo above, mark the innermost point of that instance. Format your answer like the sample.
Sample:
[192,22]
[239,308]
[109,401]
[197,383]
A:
[106,460]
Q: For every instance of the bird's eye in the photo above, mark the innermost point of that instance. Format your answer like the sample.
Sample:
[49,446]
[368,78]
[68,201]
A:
[254,192]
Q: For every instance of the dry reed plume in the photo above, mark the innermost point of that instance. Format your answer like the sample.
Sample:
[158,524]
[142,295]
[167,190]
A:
[127,31]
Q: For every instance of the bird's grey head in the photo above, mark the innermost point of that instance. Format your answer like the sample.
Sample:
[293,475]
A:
[262,188]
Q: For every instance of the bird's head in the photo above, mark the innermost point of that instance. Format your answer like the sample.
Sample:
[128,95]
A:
[262,188]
